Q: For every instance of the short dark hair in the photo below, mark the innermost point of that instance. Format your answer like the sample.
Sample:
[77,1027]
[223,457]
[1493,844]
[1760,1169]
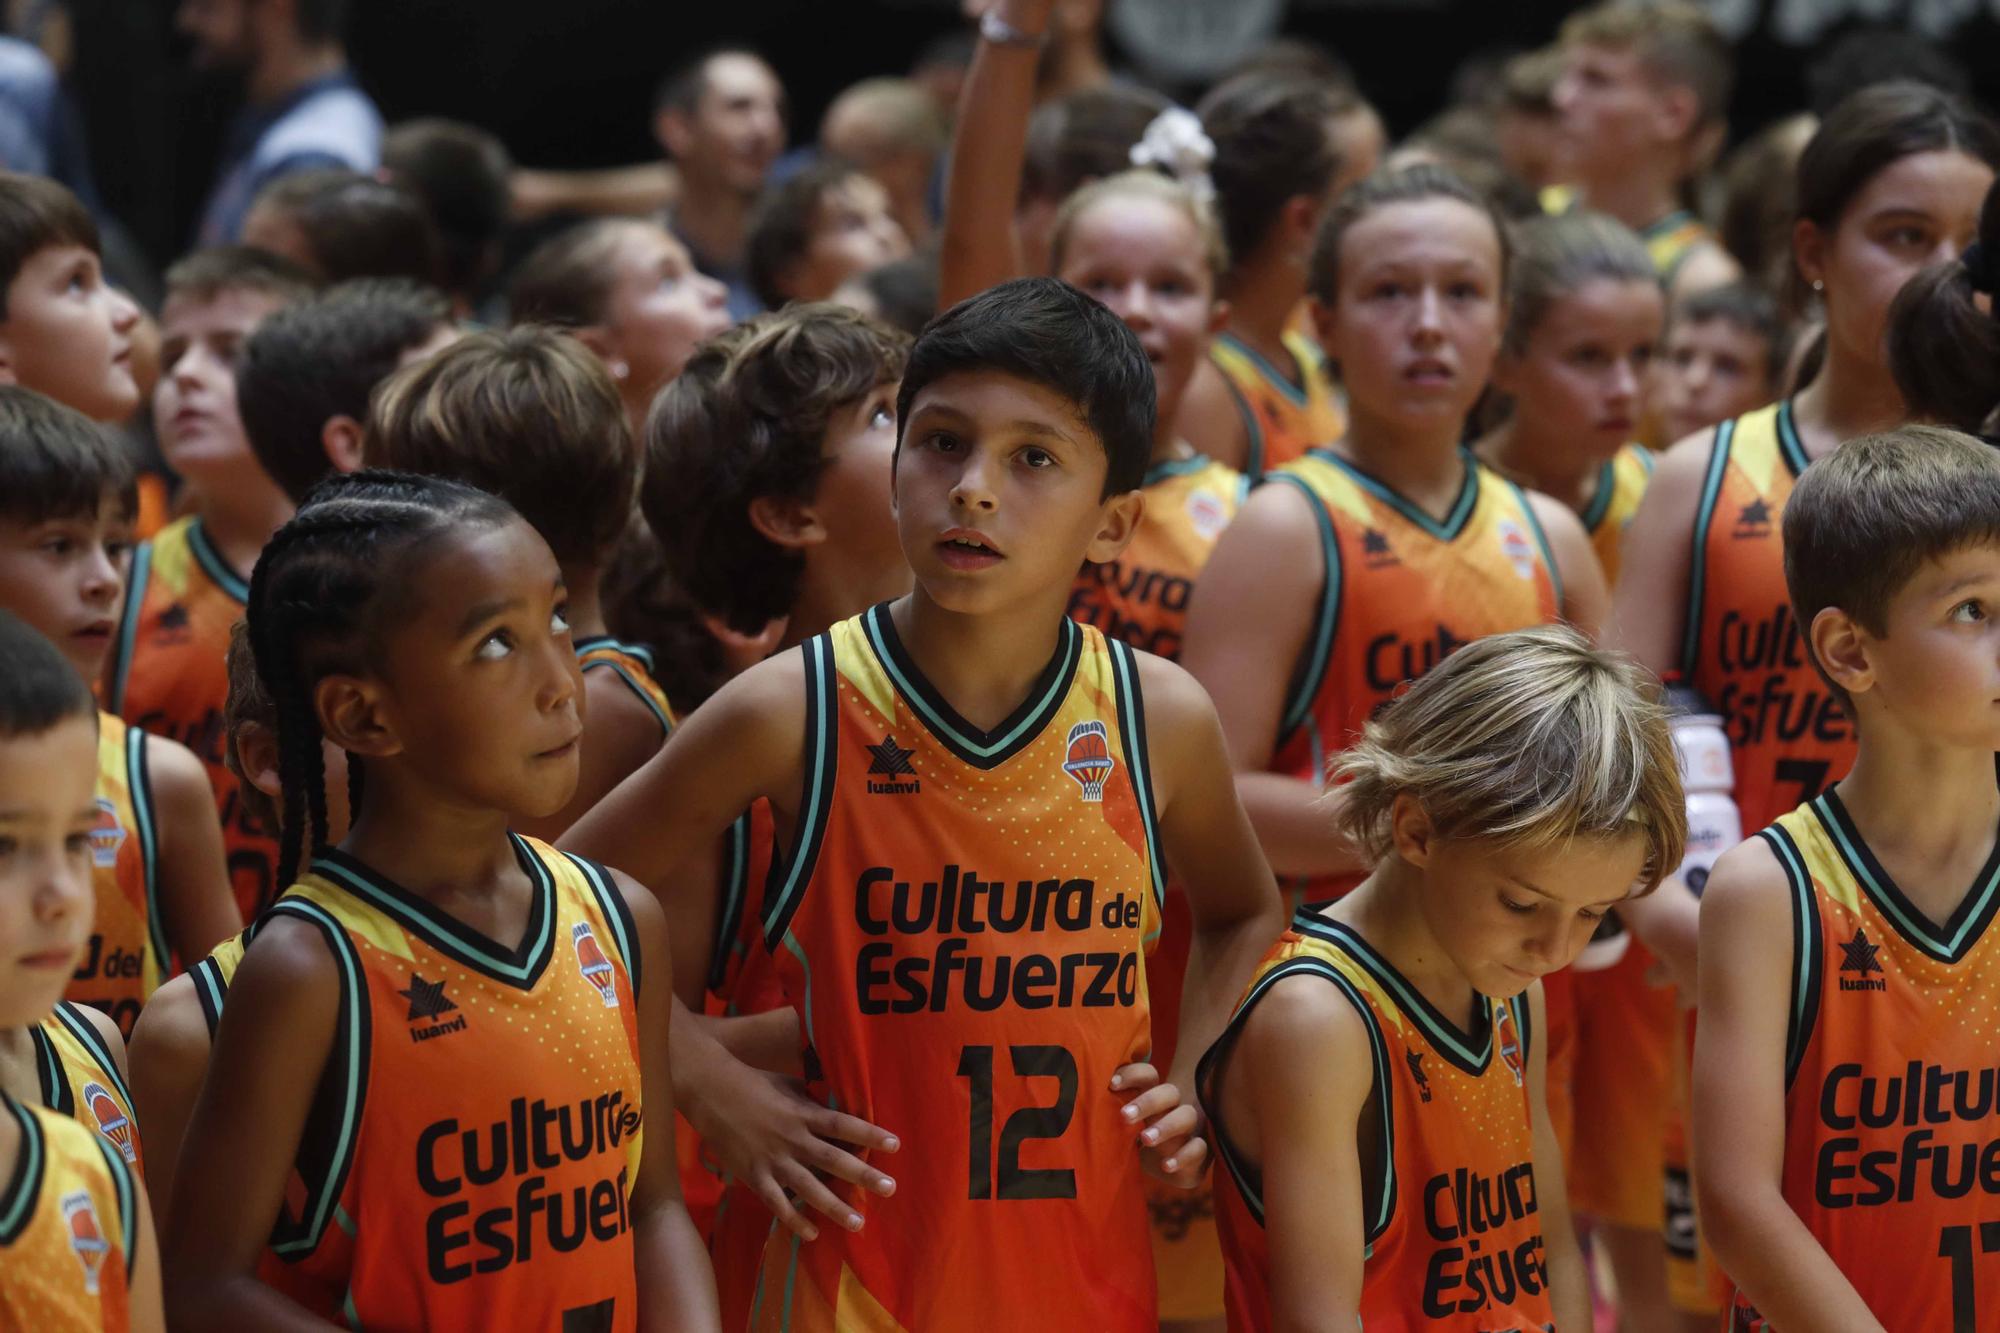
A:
[38,686]
[1746,306]
[782,229]
[36,213]
[1409,185]
[1048,333]
[530,415]
[905,292]
[56,463]
[321,359]
[567,279]
[357,226]
[460,173]
[1863,520]
[1273,142]
[747,418]
[682,87]
[206,274]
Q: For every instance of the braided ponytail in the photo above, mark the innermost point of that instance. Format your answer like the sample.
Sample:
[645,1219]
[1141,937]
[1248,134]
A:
[314,610]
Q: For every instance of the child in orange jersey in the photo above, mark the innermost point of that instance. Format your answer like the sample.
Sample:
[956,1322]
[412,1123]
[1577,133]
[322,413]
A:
[1583,318]
[1286,148]
[1378,1099]
[1892,181]
[1584,311]
[64,331]
[65,498]
[954,758]
[1643,102]
[1370,561]
[1723,353]
[1850,972]
[420,625]
[76,1243]
[531,417]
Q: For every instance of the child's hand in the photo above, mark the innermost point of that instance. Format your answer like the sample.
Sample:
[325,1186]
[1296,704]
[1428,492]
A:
[1170,1129]
[767,1133]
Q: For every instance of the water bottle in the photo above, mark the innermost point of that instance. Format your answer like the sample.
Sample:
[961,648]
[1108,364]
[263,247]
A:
[1702,748]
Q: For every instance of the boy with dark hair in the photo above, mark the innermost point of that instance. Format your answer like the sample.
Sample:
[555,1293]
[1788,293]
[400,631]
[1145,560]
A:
[1723,353]
[304,109]
[306,376]
[460,174]
[721,119]
[302,381]
[341,225]
[64,331]
[531,416]
[1840,1129]
[1644,101]
[66,494]
[972,724]
[827,224]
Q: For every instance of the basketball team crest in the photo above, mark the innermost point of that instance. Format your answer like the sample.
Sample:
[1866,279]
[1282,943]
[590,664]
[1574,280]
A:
[1087,758]
[111,1122]
[86,1237]
[107,835]
[590,960]
[1519,550]
[1207,514]
[1507,1041]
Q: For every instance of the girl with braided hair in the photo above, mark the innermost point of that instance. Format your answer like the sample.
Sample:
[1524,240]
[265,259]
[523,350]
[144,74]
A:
[445,1043]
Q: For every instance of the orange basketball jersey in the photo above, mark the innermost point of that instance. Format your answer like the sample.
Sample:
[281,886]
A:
[168,676]
[1142,596]
[1741,649]
[633,665]
[1284,413]
[470,1161]
[1401,591]
[1453,1228]
[960,924]
[1621,484]
[69,1223]
[79,1077]
[127,958]
[1892,1100]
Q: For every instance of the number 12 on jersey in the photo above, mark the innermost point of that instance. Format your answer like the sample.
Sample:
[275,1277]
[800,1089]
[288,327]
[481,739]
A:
[1014,1181]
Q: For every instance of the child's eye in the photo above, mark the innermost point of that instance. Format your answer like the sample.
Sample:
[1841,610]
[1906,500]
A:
[77,844]
[884,416]
[1512,906]
[58,545]
[559,619]
[1465,291]
[1386,290]
[8,845]
[1038,458]
[1969,612]
[1642,357]
[942,441]
[1589,915]
[494,646]
[1589,358]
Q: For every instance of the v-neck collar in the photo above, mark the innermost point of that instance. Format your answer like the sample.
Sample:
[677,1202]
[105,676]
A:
[24,1187]
[212,564]
[981,749]
[1296,394]
[1471,1051]
[1455,518]
[1947,943]
[519,966]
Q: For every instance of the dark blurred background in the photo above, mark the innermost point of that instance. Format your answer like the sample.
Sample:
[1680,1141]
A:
[569,82]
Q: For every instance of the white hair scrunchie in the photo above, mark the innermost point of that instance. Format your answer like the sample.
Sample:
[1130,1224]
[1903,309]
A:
[1176,143]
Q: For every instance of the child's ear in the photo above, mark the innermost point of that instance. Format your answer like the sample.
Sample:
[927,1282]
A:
[672,131]
[1300,217]
[1116,526]
[7,375]
[1410,829]
[1218,316]
[341,437]
[1676,110]
[787,522]
[1809,251]
[351,715]
[1842,649]
[599,340]
[257,757]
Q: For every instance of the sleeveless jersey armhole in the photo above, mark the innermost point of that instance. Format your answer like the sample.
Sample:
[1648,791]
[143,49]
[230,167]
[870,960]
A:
[1711,487]
[790,876]
[1310,670]
[1802,1012]
[1132,731]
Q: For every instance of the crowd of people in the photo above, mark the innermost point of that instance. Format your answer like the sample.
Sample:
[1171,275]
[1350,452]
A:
[1059,711]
